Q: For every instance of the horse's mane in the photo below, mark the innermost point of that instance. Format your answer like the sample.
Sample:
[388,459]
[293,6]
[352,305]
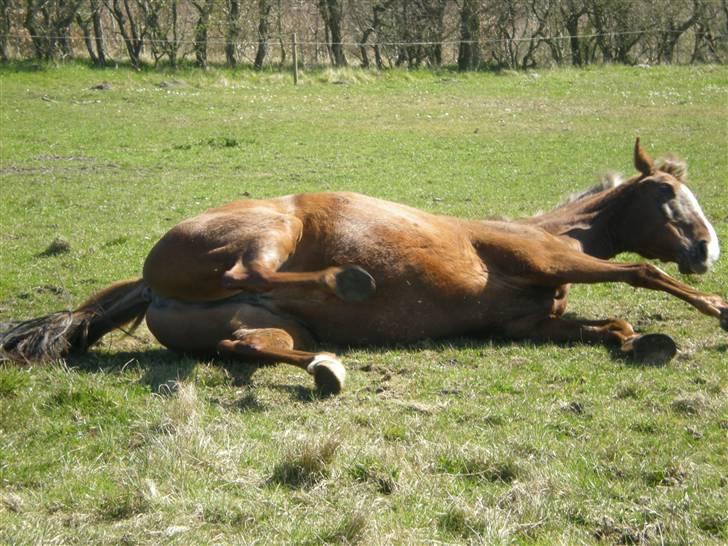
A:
[670,164]
[674,166]
[606,182]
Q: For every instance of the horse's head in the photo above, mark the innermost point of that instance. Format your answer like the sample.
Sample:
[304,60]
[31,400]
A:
[668,223]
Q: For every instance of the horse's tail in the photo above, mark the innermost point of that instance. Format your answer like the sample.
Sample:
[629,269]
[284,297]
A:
[59,334]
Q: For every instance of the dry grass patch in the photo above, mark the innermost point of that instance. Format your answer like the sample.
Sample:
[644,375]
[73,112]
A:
[124,503]
[691,404]
[613,532]
[351,529]
[479,465]
[305,463]
[371,470]
[672,474]
[516,516]
[627,391]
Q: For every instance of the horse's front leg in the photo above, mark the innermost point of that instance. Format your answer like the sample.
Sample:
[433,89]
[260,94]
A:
[649,348]
[579,268]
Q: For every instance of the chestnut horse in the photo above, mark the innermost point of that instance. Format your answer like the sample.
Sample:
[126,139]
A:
[266,280]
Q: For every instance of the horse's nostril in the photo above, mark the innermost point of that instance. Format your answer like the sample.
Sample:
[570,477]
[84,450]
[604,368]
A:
[702,249]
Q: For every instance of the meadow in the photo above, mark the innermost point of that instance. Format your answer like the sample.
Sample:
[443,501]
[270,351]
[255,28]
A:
[462,441]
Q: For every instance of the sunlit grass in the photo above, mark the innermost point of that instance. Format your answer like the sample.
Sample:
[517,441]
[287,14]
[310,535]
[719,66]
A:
[456,441]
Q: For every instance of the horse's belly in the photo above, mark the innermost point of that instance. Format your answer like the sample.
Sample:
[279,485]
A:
[399,315]
[363,325]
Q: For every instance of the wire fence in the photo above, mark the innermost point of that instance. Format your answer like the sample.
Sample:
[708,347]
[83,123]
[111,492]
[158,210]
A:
[388,43]
[318,51]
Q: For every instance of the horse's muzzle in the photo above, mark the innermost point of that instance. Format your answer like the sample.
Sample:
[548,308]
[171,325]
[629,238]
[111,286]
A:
[695,259]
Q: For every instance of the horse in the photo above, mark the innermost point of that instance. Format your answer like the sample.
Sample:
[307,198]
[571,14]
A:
[268,280]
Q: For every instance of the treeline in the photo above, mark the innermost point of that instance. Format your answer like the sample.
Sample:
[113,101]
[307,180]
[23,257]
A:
[368,33]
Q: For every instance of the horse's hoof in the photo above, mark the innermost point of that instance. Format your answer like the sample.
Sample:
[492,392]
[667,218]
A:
[328,373]
[354,284]
[655,349]
[724,318]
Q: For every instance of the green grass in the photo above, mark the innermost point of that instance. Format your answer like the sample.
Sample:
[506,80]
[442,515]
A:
[460,441]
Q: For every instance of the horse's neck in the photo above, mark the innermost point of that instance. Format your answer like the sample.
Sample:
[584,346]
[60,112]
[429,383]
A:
[591,222]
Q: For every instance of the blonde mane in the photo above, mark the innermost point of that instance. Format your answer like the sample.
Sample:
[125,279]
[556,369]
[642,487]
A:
[607,182]
[674,166]
[670,165]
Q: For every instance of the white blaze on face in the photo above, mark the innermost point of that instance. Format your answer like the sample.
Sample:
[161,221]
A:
[687,203]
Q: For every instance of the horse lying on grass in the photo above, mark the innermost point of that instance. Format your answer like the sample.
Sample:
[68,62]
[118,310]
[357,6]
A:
[266,280]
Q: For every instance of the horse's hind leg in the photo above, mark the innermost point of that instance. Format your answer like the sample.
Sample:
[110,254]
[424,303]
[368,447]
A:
[215,256]
[243,331]
[276,345]
[350,283]
[647,348]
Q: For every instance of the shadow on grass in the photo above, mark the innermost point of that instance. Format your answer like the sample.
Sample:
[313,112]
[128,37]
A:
[24,66]
[162,369]
[159,366]
[655,355]
[301,393]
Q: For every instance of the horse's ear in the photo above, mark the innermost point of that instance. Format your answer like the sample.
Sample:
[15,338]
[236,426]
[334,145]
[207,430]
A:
[642,162]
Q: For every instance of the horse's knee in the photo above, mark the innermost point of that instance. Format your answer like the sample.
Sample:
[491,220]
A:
[646,275]
[248,277]
[265,338]
[621,326]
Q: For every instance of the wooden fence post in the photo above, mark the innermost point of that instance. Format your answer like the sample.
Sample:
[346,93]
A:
[295,61]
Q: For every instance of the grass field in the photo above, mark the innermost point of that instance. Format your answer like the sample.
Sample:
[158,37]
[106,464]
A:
[447,442]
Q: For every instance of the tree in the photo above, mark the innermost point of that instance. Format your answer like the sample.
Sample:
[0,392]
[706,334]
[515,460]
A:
[368,21]
[538,18]
[332,14]
[673,19]
[164,27]
[617,25]
[264,7]
[469,46]
[508,27]
[711,25]
[132,27]
[94,41]
[419,27]
[232,32]
[204,10]
[572,11]
[49,24]
[432,28]
[5,26]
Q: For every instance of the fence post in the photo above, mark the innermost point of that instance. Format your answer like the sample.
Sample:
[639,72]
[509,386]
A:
[295,61]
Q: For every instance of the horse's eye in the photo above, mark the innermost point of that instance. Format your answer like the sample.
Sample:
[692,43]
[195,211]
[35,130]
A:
[665,191]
